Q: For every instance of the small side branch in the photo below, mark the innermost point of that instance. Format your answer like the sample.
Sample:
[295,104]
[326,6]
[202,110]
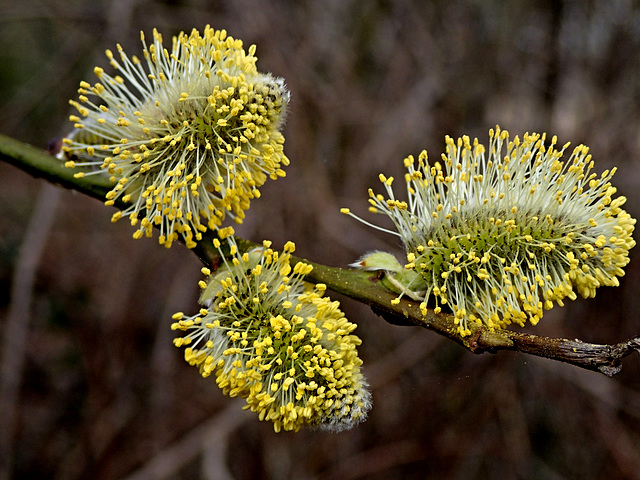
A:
[364,286]
[605,359]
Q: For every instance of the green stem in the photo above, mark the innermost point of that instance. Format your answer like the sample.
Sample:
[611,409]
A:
[42,164]
[364,287]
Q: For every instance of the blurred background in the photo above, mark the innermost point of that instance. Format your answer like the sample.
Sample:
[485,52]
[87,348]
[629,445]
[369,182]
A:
[91,385]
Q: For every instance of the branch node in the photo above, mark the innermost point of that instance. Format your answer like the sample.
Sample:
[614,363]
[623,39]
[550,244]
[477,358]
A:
[617,353]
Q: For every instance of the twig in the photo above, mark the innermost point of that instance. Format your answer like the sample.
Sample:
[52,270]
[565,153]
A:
[361,286]
[597,357]
[42,164]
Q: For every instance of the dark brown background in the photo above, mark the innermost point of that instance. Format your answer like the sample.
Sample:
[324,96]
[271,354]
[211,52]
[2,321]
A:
[101,393]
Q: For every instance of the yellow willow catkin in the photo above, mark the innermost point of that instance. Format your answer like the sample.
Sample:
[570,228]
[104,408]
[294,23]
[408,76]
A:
[187,135]
[285,348]
[500,234]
